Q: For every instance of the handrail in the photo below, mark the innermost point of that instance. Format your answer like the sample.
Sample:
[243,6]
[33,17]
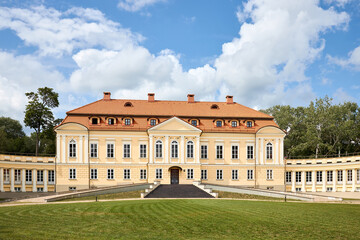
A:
[324,156]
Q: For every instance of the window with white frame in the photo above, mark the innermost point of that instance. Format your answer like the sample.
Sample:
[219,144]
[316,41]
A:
[219,174]
[218,123]
[111,121]
[250,152]
[203,174]
[288,177]
[358,175]
[18,189]
[127,121]
[194,122]
[158,173]
[329,176]
[234,124]
[143,174]
[6,175]
[110,150]
[249,124]
[152,122]
[308,176]
[269,151]
[127,148]
[340,176]
[349,175]
[298,189]
[174,149]
[51,176]
[110,173]
[40,176]
[127,174]
[17,175]
[93,173]
[219,151]
[72,148]
[158,149]
[40,189]
[93,150]
[142,150]
[72,173]
[250,174]
[28,176]
[190,173]
[235,174]
[204,151]
[234,151]
[269,174]
[298,177]
[190,149]
[72,188]
[319,176]
[329,189]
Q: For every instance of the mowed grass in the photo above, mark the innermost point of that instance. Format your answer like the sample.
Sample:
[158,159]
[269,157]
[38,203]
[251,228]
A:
[181,219]
[120,195]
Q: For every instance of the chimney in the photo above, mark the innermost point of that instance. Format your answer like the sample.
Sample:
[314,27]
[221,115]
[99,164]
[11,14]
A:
[229,99]
[151,97]
[191,98]
[107,96]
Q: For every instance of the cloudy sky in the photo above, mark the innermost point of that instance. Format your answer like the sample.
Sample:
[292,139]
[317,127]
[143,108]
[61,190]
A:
[263,52]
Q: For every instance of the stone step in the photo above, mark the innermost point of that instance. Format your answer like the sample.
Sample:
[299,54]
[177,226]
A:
[178,191]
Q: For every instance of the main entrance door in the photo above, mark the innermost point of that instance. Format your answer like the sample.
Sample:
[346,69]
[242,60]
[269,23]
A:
[174,176]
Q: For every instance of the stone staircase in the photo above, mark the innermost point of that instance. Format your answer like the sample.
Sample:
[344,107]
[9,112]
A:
[178,191]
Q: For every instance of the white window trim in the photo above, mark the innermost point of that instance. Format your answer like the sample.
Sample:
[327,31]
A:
[207,151]
[97,149]
[238,150]
[222,154]
[253,153]
[162,149]
[232,174]
[171,153]
[193,149]
[126,143]
[73,174]
[76,148]
[146,149]
[113,174]
[113,143]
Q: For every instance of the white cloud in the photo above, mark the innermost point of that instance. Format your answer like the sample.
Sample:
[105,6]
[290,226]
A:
[339,3]
[136,5]
[353,61]
[56,33]
[341,96]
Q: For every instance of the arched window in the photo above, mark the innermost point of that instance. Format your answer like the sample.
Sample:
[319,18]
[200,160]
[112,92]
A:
[174,149]
[269,151]
[158,149]
[72,148]
[190,149]
[128,104]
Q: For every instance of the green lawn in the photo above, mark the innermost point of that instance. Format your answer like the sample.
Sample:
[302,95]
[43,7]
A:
[181,219]
[120,195]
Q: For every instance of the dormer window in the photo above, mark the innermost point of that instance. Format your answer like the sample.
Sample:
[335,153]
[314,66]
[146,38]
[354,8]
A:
[95,121]
[127,121]
[152,122]
[111,121]
[214,106]
[194,123]
[218,123]
[234,124]
[128,104]
[249,124]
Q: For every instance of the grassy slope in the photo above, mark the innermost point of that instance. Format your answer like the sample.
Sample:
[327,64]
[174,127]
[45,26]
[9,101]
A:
[132,194]
[181,219]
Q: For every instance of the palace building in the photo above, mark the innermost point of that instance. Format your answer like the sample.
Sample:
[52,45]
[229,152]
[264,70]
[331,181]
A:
[115,141]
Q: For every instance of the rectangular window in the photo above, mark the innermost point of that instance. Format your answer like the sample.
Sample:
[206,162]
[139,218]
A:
[110,150]
[28,176]
[110,173]
[235,174]
[219,151]
[17,189]
[349,175]
[233,123]
[127,121]
[194,122]
[127,174]
[250,152]
[298,177]
[218,123]
[329,176]
[158,149]
[72,188]
[340,176]
[308,176]
[219,174]
[174,150]
[40,189]
[158,173]
[250,174]
[40,176]
[72,173]
[143,174]
[234,152]
[358,175]
[17,175]
[6,175]
[269,174]
[51,176]
[298,189]
[288,177]
[142,150]
[204,174]
[204,152]
[249,124]
[111,121]
[319,176]
[190,150]
[93,150]
[329,189]
[72,149]
[152,122]
[190,173]
[93,173]
[127,148]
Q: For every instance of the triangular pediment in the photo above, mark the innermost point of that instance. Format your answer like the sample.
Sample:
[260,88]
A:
[174,124]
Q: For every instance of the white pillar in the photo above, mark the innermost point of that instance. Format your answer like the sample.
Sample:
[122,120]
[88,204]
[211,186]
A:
[182,147]
[262,151]
[86,151]
[276,155]
[151,153]
[166,149]
[34,180]
[353,180]
[257,153]
[64,149]
[45,180]
[344,180]
[303,181]
[334,180]
[1,180]
[80,159]
[281,151]
[293,181]
[23,179]
[313,180]
[12,180]
[58,148]
[324,179]
[197,150]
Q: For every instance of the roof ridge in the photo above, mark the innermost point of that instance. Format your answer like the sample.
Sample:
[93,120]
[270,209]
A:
[86,105]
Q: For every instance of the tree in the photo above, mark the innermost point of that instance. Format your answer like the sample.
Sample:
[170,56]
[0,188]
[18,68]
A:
[38,114]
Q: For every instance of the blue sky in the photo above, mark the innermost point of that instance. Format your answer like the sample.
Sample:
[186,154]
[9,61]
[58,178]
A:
[263,52]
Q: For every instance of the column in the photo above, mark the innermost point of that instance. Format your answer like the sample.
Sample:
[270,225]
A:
[80,159]
[1,180]
[257,153]
[182,147]
[63,149]
[344,180]
[324,179]
[166,146]
[276,148]
[34,180]
[353,180]
[86,151]
[281,151]
[303,181]
[45,180]
[197,150]
[293,181]
[262,151]
[313,180]
[12,180]
[334,180]
[58,148]
[151,145]
[23,179]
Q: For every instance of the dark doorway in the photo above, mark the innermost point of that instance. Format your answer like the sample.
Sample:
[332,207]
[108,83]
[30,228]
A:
[174,176]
